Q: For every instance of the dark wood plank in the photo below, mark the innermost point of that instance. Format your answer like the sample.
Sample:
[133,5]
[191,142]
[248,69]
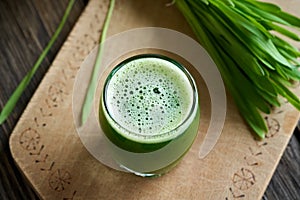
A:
[25,29]
[285,183]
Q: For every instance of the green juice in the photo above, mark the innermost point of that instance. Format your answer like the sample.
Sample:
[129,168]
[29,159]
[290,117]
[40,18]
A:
[150,113]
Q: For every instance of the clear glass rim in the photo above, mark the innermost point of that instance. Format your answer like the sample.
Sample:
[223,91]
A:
[190,114]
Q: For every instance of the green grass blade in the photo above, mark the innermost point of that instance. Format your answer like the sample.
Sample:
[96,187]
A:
[269,7]
[265,15]
[291,19]
[87,105]
[271,99]
[286,93]
[293,74]
[287,47]
[245,98]
[288,19]
[292,59]
[11,103]
[283,31]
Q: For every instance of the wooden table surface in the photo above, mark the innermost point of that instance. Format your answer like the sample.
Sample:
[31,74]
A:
[25,29]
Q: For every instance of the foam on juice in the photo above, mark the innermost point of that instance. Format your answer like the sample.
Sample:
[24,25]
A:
[148,97]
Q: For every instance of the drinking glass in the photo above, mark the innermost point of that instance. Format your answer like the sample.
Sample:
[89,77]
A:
[150,114]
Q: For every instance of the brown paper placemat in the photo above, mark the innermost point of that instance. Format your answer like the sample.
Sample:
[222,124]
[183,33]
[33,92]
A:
[48,151]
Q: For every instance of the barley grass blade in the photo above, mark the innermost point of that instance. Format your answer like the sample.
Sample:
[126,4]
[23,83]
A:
[12,101]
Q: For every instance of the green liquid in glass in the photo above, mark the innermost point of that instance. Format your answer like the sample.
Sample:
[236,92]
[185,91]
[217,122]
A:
[150,113]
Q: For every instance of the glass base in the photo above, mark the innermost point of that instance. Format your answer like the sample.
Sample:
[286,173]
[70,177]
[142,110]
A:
[142,174]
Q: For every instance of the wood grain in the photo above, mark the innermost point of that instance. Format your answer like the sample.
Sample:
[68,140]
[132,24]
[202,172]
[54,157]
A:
[285,183]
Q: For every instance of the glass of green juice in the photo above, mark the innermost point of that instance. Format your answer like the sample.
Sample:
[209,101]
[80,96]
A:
[149,113]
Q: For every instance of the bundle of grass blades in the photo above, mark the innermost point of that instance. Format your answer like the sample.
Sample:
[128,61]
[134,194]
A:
[257,66]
